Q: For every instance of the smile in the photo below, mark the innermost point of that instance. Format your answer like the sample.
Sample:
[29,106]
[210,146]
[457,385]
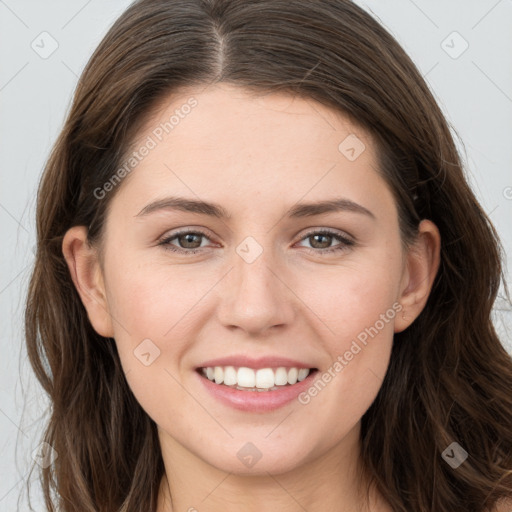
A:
[249,379]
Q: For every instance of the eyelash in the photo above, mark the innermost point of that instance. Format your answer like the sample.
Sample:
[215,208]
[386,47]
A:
[345,242]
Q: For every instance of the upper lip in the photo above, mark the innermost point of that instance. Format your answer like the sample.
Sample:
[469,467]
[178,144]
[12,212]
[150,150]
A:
[261,362]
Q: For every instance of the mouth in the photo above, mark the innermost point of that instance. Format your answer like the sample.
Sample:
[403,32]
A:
[259,380]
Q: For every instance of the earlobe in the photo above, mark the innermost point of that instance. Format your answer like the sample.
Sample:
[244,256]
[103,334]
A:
[422,264]
[85,271]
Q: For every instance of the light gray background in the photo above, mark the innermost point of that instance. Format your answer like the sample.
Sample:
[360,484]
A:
[474,90]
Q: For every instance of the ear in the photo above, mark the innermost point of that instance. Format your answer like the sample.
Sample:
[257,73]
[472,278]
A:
[421,266]
[85,270]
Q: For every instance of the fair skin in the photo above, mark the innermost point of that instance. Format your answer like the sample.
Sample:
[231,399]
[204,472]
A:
[257,157]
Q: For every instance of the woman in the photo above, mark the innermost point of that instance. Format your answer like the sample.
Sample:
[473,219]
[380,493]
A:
[199,356]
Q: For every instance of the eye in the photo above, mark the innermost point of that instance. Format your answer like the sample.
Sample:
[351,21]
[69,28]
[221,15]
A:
[321,240]
[190,241]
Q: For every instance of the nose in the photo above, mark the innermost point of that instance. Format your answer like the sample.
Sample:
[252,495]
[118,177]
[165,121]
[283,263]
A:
[255,296]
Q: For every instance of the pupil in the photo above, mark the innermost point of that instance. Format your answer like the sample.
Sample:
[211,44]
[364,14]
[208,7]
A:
[189,238]
[323,236]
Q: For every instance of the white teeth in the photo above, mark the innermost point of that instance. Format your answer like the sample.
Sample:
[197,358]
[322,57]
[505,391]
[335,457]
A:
[302,374]
[218,374]
[230,376]
[281,377]
[263,379]
[246,377]
[292,375]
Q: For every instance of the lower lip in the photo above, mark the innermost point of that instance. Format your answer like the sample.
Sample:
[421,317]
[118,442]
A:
[256,401]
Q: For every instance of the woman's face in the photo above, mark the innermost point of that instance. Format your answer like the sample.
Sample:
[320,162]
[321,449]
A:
[259,282]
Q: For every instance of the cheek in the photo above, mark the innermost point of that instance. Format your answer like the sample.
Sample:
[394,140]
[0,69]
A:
[151,339]
[157,311]
[154,300]
[352,298]
[357,312]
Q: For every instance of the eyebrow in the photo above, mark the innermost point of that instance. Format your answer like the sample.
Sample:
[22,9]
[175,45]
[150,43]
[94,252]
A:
[215,210]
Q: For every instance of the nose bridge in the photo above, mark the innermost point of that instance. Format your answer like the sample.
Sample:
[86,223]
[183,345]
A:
[256,298]
[253,265]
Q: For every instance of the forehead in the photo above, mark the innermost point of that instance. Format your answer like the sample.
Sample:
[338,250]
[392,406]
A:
[213,141]
[224,113]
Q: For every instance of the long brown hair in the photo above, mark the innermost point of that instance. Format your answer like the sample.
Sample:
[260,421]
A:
[449,379]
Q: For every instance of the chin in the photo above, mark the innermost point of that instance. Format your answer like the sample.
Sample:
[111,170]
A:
[252,458]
